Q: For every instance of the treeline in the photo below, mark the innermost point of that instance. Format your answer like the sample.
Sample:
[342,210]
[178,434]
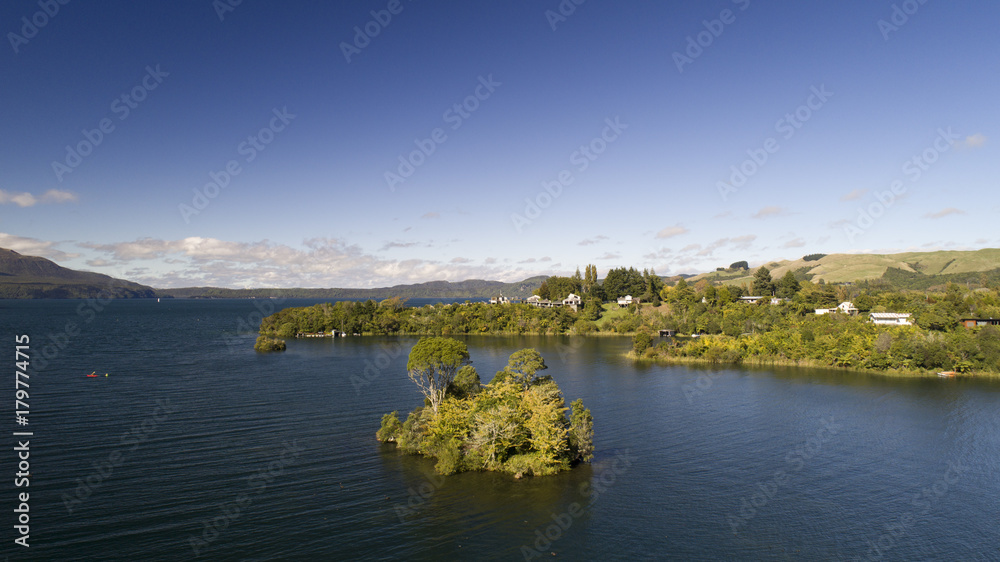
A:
[618,283]
[392,317]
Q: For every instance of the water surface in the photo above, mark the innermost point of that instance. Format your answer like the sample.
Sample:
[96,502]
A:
[277,451]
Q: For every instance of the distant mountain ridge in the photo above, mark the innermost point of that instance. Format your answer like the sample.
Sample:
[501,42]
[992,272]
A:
[469,289]
[32,277]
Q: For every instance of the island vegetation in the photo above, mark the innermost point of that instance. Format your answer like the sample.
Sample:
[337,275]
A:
[266,344]
[516,423]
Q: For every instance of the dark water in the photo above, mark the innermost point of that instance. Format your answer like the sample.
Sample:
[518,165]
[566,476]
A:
[194,443]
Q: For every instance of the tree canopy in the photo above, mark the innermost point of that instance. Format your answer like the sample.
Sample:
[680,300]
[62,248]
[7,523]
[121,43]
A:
[433,364]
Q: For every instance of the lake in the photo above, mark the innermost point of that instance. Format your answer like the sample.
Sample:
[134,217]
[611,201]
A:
[194,444]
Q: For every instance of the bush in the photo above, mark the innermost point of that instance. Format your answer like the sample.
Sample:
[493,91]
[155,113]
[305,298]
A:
[813,257]
[641,342]
[266,344]
[530,464]
[391,427]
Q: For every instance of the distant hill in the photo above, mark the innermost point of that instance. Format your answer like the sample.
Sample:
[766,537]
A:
[469,289]
[30,277]
[941,266]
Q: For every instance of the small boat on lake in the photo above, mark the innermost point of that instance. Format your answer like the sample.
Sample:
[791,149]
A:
[947,374]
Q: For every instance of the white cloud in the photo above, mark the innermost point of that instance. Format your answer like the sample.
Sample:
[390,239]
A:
[431,215]
[974,141]
[323,263]
[944,213]
[33,247]
[854,195]
[591,241]
[391,245]
[770,211]
[26,199]
[671,231]
[795,243]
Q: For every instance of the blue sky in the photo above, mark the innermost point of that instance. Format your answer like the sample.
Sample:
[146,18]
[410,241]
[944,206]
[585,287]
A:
[859,126]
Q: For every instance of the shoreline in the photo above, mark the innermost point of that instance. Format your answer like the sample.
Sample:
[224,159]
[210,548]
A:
[809,364]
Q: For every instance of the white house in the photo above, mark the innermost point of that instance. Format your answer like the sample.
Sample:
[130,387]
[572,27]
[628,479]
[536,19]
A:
[847,307]
[627,300]
[572,301]
[890,318]
[533,299]
[750,300]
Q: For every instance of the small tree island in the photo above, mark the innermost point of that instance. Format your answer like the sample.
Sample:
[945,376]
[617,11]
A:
[516,423]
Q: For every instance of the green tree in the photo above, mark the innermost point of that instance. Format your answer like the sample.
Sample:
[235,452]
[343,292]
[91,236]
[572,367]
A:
[789,286]
[762,283]
[467,383]
[641,341]
[581,432]
[592,310]
[739,265]
[543,290]
[681,293]
[589,277]
[433,364]
[560,287]
[522,366]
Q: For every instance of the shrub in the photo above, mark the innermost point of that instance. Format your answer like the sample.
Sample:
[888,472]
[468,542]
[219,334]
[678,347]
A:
[391,427]
[266,344]
[641,342]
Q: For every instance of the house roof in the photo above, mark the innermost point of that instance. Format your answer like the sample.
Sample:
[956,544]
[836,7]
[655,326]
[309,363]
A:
[889,315]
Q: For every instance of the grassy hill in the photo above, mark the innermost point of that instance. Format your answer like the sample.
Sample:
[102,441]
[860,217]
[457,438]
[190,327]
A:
[30,277]
[843,268]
